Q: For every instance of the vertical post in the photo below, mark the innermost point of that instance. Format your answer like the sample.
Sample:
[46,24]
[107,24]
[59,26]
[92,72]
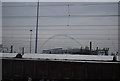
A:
[90,47]
[30,39]
[37,27]
[68,15]
[23,50]
[11,49]
[97,50]
[119,29]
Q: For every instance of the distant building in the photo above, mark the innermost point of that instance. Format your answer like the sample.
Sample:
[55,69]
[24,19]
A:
[3,49]
[82,51]
[54,51]
[1,46]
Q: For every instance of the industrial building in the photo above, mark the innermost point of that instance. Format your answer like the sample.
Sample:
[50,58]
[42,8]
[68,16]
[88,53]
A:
[80,51]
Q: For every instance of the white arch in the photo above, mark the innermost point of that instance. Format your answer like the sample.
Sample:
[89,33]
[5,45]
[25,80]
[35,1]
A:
[65,35]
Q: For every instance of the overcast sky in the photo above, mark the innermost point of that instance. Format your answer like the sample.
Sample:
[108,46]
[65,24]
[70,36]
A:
[60,0]
[96,22]
[0,22]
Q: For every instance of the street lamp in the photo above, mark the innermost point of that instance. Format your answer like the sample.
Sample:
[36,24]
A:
[30,39]
[37,22]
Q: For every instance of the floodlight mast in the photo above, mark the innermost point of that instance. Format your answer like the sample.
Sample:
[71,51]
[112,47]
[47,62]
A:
[30,39]
[36,40]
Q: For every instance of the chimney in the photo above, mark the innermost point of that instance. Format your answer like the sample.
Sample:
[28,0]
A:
[23,50]
[11,49]
[90,47]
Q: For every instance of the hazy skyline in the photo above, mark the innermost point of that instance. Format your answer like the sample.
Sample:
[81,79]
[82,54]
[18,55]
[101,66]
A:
[96,22]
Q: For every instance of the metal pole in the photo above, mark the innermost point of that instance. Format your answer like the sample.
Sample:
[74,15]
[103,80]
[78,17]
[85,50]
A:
[90,47]
[11,49]
[30,39]
[37,27]
[23,50]
[118,29]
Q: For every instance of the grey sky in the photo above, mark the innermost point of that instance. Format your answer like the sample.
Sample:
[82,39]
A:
[60,0]
[0,22]
[101,30]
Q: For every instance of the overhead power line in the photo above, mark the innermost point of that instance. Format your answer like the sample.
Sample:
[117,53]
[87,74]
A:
[54,25]
[80,29]
[17,34]
[80,38]
[57,16]
[71,4]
